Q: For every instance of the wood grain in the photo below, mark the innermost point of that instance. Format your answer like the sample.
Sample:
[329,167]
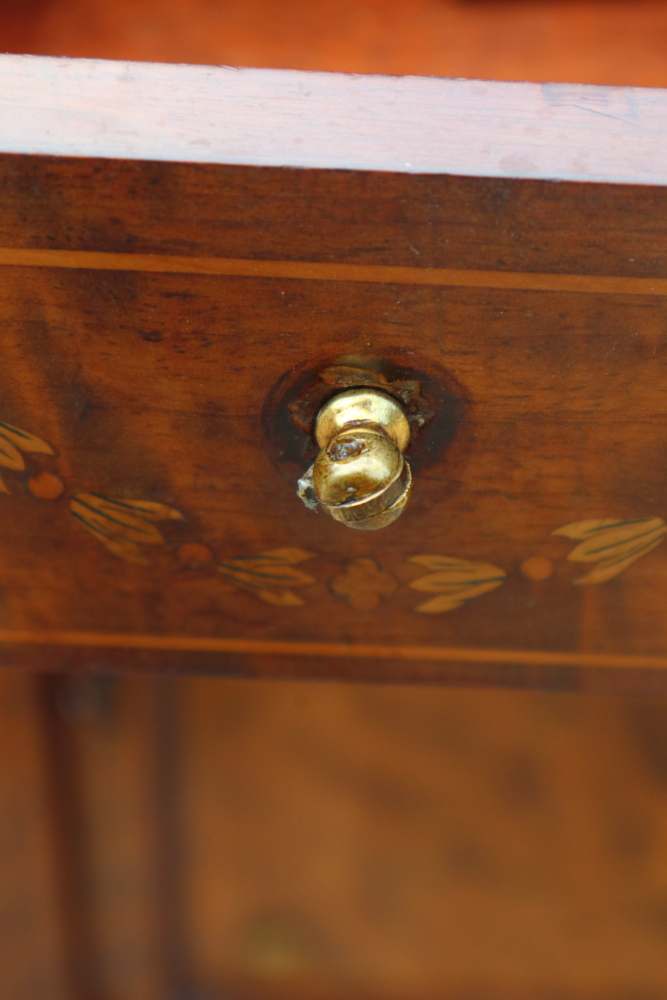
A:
[326,217]
[420,125]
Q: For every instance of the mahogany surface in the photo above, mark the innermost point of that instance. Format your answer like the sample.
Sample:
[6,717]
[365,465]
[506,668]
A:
[150,309]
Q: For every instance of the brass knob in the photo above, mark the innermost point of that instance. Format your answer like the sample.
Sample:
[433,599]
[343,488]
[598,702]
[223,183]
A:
[360,476]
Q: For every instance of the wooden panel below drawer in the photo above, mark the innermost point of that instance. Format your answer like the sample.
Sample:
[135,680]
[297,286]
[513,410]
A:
[349,841]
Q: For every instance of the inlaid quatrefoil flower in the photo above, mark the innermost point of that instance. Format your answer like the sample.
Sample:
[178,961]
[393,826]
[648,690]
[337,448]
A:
[363,584]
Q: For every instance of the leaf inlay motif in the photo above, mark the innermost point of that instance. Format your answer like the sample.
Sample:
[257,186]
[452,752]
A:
[13,441]
[270,575]
[122,525]
[455,581]
[612,544]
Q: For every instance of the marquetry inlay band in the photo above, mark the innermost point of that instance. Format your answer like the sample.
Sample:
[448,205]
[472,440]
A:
[336,650]
[317,271]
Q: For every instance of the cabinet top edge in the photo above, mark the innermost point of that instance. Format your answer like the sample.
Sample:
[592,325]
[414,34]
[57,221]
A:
[290,118]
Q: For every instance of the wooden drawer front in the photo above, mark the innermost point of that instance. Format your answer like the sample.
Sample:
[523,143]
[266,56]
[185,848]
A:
[159,317]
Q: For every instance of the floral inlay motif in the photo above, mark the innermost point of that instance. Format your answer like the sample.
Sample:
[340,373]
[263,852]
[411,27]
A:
[363,584]
[124,526]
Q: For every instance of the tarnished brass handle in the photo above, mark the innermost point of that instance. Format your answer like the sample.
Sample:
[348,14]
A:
[360,476]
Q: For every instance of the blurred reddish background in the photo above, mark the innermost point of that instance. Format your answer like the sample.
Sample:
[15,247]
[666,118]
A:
[584,41]
[192,839]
